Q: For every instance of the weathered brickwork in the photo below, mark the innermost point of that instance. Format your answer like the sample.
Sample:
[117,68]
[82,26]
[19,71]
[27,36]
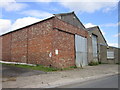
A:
[0,48]
[37,44]
[64,43]
[6,47]
[19,46]
[69,28]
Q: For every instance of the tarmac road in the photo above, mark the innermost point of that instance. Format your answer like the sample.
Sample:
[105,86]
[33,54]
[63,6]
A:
[12,71]
[105,82]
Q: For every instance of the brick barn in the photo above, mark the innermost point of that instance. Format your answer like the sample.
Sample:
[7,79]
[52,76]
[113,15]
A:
[51,42]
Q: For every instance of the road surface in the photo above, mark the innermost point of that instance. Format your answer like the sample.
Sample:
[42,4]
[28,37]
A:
[12,71]
[105,82]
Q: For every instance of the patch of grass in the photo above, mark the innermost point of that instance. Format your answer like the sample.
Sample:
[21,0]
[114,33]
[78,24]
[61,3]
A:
[93,63]
[37,67]
[118,63]
[100,62]
[69,68]
[41,67]
[73,67]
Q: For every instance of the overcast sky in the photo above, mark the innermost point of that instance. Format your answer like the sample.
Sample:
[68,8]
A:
[19,13]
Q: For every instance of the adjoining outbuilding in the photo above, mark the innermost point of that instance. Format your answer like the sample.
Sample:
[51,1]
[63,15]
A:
[109,54]
[55,42]
[98,49]
[95,39]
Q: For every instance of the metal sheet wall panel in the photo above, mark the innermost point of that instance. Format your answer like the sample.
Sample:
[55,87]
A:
[94,44]
[81,51]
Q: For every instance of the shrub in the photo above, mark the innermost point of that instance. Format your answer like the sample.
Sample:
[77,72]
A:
[93,63]
[100,62]
[118,63]
[73,67]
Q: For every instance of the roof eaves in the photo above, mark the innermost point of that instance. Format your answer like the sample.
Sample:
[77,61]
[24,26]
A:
[68,14]
[102,34]
[27,26]
[90,28]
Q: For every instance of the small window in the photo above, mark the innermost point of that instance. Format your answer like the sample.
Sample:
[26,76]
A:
[110,54]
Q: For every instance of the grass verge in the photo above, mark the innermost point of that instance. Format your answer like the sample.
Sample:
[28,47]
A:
[118,63]
[40,67]
[36,67]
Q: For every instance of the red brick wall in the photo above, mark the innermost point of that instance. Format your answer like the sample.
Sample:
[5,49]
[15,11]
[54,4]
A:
[29,45]
[33,44]
[64,43]
[69,28]
[6,47]
[0,48]
[19,46]
[39,43]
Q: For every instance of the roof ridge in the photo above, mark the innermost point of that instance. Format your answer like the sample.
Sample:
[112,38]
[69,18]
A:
[64,13]
[93,27]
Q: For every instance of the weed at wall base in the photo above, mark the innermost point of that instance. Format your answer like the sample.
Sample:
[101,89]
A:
[40,67]
[93,63]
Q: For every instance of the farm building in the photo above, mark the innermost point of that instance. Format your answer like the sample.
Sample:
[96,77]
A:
[95,39]
[109,54]
[59,41]
[98,49]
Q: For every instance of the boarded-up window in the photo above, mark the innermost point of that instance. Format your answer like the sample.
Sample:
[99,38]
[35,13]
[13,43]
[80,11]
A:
[94,45]
[110,54]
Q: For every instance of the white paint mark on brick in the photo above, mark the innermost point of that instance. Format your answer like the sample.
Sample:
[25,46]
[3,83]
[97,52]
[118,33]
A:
[56,51]
[50,54]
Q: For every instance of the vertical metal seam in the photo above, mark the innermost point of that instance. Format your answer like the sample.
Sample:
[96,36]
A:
[74,51]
